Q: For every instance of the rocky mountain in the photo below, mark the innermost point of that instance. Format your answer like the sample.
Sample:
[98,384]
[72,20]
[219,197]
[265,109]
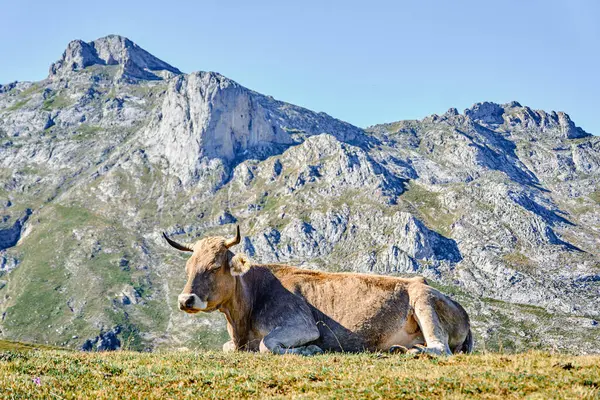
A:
[134,62]
[499,206]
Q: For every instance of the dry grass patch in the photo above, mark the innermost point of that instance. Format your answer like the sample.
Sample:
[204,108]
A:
[217,375]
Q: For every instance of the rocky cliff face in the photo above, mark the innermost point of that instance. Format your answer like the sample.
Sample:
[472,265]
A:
[205,116]
[499,206]
[134,63]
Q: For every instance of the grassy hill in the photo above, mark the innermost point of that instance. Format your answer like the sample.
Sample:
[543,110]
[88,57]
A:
[64,374]
[7,345]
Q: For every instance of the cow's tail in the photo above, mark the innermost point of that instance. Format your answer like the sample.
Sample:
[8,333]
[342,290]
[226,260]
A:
[467,345]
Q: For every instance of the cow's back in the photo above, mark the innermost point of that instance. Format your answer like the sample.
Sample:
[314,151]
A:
[353,311]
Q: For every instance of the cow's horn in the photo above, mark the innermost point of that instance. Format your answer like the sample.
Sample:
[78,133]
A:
[182,247]
[235,240]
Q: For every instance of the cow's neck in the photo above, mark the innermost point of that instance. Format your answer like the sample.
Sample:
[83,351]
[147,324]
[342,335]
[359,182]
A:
[238,311]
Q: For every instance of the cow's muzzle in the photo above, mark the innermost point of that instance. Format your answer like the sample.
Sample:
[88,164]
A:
[191,303]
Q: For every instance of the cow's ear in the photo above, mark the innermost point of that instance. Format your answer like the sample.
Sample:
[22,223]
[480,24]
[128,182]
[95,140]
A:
[239,265]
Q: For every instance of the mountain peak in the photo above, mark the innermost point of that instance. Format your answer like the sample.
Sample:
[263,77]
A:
[135,63]
[525,118]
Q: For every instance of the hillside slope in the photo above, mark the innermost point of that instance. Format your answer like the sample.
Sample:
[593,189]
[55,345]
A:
[499,206]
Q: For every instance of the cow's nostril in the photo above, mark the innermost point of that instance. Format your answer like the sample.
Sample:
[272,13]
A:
[189,302]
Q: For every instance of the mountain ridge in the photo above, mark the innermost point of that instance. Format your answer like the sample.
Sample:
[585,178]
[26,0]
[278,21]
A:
[497,206]
[134,62]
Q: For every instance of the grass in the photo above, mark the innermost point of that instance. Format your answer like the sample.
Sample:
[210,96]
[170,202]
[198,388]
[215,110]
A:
[238,375]
[6,345]
[31,90]
[519,261]
[427,206]
[146,91]
[38,305]
[23,97]
[56,102]
[17,105]
[102,72]
[86,130]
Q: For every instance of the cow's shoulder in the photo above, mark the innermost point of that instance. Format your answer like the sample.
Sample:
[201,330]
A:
[418,280]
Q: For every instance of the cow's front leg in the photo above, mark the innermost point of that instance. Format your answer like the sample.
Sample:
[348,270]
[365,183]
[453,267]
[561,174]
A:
[291,340]
[229,347]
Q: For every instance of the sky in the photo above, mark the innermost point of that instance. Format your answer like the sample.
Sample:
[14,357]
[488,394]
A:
[364,62]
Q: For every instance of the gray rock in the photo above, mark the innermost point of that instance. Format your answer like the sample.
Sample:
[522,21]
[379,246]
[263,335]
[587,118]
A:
[486,112]
[9,237]
[134,62]
[206,116]
[226,218]
[105,341]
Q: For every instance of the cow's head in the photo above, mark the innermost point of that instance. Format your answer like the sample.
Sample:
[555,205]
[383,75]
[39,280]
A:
[211,272]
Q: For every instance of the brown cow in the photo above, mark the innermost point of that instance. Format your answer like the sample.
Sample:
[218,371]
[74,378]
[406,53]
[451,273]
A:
[282,309]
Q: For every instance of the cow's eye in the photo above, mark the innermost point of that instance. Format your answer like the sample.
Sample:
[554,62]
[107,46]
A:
[213,269]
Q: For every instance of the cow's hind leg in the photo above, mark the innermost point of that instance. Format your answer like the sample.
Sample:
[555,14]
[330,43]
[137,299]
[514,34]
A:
[436,337]
[398,349]
[291,340]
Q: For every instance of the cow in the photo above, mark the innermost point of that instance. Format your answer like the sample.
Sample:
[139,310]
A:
[282,309]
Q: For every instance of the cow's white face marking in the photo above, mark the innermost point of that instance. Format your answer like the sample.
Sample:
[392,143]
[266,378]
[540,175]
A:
[197,305]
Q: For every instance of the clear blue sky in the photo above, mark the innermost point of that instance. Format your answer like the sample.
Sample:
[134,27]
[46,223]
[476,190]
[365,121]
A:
[364,62]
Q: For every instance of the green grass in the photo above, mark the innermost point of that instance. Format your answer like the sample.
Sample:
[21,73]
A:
[519,261]
[37,308]
[86,130]
[595,196]
[23,97]
[427,206]
[104,72]
[17,105]
[240,375]
[393,127]
[580,140]
[31,90]
[146,91]
[56,102]
[6,345]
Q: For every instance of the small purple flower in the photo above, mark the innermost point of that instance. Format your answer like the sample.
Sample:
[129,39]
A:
[37,380]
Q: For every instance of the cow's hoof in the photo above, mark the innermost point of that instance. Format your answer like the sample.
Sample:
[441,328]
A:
[424,351]
[398,349]
[417,349]
[229,347]
[312,350]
